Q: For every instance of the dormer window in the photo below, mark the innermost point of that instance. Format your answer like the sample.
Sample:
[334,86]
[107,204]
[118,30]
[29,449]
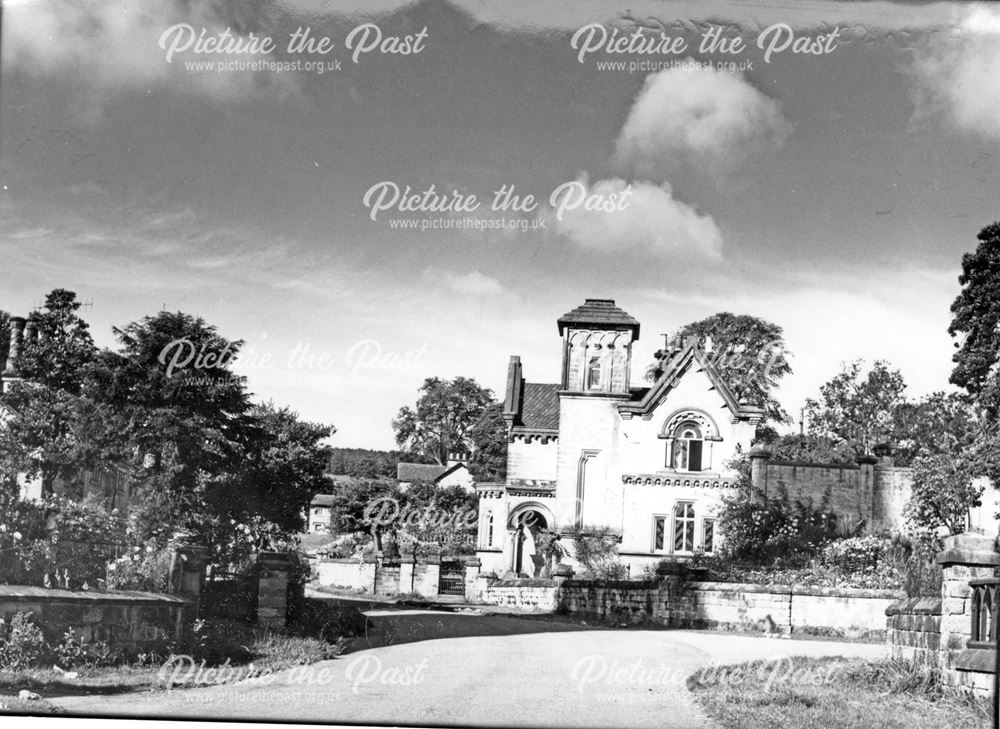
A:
[687,448]
[594,373]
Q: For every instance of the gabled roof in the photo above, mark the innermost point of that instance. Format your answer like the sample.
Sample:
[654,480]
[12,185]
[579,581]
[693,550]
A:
[690,356]
[419,471]
[599,313]
[425,472]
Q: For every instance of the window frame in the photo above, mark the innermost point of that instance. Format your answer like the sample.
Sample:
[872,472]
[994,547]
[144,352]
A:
[683,520]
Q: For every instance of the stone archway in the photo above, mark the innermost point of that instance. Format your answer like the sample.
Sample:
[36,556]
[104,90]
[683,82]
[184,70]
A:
[524,523]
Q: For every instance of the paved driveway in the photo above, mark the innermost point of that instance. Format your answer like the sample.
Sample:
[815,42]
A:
[502,671]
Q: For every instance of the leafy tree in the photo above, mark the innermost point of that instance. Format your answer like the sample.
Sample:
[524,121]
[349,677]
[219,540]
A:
[354,502]
[489,437]
[976,319]
[64,350]
[938,424]
[749,352]
[856,409]
[284,468]
[445,419]
[944,490]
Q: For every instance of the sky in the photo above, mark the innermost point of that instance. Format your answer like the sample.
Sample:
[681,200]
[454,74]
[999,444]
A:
[827,175]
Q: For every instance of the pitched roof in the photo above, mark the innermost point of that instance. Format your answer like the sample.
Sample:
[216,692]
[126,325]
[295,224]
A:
[539,406]
[690,355]
[601,313]
[323,500]
[411,472]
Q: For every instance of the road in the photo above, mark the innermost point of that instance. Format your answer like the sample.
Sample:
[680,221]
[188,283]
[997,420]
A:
[500,670]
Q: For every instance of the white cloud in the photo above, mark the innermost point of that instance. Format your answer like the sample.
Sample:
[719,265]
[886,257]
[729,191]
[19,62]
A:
[473,283]
[114,47]
[697,114]
[651,220]
[959,76]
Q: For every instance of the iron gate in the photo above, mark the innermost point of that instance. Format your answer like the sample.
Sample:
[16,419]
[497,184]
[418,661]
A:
[452,578]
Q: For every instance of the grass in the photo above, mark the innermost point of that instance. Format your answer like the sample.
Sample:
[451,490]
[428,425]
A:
[241,644]
[834,693]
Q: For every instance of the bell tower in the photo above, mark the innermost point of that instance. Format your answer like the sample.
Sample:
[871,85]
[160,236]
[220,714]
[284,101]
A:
[597,348]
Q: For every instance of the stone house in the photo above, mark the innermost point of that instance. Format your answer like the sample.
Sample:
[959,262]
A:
[649,464]
[454,473]
[593,450]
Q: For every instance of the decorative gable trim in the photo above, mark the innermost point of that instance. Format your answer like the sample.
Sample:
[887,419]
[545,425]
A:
[686,358]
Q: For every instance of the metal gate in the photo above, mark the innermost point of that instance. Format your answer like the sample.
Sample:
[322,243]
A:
[230,595]
[452,578]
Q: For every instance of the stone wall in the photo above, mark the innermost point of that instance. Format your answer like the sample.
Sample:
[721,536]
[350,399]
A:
[781,609]
[126,621]
[522,594]
[349,573]
[729,606]
[914,630]
[621,602]
[937,632]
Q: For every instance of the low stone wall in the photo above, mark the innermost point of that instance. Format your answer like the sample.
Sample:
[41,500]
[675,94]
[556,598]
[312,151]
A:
[349,573]
[622,602]
[849,612]
[523,594]
[126,621]
[914,630]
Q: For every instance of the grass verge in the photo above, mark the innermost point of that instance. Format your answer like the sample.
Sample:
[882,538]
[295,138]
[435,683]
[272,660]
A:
[833,693]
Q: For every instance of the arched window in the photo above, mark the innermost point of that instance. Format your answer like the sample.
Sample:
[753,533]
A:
[594,373]
[489,529]
[687,447]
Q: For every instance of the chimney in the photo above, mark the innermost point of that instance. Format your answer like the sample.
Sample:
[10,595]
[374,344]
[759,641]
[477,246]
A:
[16,341]
[512,400]
[456,458]
[31,330]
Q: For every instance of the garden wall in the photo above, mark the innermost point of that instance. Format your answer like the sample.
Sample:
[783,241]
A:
[126,621]
[349,573]
[847,612]
[914,630]
[729,606]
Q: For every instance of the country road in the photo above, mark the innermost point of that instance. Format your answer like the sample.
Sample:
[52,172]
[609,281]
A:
[502,671]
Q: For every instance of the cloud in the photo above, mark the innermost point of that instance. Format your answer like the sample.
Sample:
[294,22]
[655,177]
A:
[114,47]
[473,283]
[698,115]
[650,219]
[959,76]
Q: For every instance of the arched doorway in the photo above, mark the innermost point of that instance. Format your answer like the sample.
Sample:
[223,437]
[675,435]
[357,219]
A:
[525,523]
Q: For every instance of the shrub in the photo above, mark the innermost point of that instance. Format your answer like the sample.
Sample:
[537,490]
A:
[596,550]
[760,531]
[143,567]
[73,653]
[22,644]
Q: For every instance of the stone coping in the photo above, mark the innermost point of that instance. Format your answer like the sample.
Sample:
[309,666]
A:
[27,593]
[795,590]
[915,606]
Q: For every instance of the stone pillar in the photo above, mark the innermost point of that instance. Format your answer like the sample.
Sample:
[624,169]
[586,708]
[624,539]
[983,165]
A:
[407,562]
[272,589]
[187,575]
[965,557]
[472,567]
[866,489]
[758,472]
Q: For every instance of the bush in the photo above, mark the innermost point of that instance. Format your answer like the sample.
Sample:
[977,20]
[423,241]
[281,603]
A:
[22,644]
[762,531]
[143,567]
[597,552]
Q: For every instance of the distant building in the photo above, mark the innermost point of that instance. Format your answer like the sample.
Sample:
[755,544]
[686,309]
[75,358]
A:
[320,512]
[454,473]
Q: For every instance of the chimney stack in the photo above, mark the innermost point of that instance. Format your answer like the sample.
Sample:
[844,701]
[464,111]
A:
[17,324]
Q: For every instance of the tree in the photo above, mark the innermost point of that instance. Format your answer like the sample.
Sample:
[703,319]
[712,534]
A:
[938,424]
[64,350]
[855,409]
[810,449]
[489,452]
[445,419]
[976,319]
[749,352]
[944,489]
[284,468]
